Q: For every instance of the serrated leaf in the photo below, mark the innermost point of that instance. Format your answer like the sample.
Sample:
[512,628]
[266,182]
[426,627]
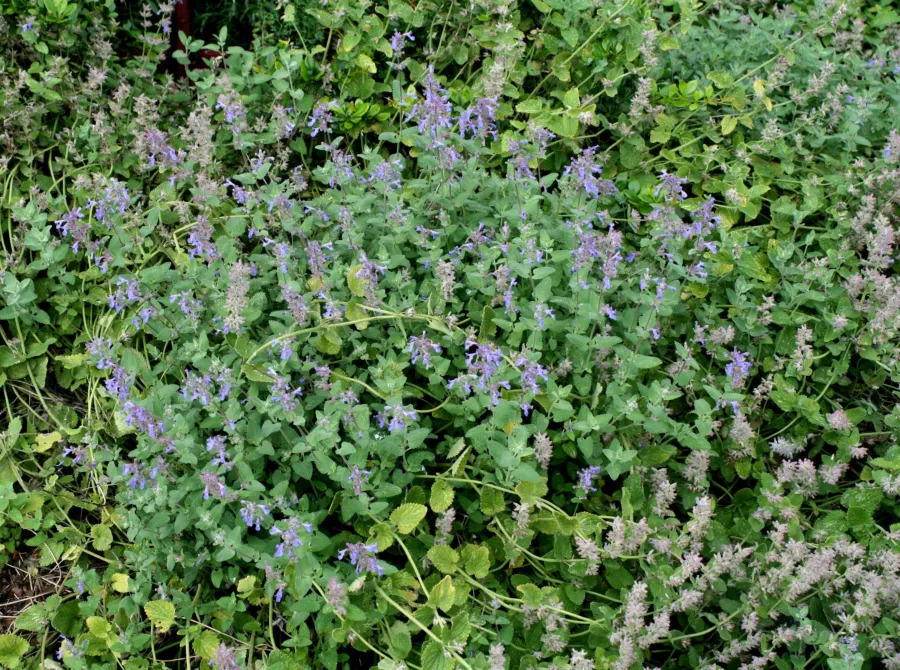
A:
[442,495]
[443,594]
[729,123]
[33,619]
[720,78]
[492,501]
[329,342]
[245,586]
[667,43]
[357,285]
[532,106]
[400,639]
[206,644]
[98,626]
[477,560]
[366,63]
[433,657]
[120,583]
[161,613]
[12,649]
[45,441]
[102,537]
[444,558]
[529,492]
[383,536]
[407,517]
[254,374]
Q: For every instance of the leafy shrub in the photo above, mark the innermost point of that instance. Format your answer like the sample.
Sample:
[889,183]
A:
[404,350]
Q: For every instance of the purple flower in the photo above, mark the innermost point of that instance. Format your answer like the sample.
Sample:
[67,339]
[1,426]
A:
[214,486]
[128,292]
[336,596]
[479,120]
[143,420]
[189,305]
[358,479]
[321,118]
[609,311]
[254,514]
[482,364]
[119,383]
[586,478]
[738,368]
[541,312]
[521,160]
[282,251]
[115,198]
[363,557]
[197,388]
[339,165]
[586,172]
[230,103]
[433,113]
[217,444]
[531,373]
[67,647]
[395,417]
[388,173]
[224,659]
[291,538]
[671,184]
[421,348]
[282,393]
[200,240]
[140,475]
[398,43]
[70,225]
[101,348]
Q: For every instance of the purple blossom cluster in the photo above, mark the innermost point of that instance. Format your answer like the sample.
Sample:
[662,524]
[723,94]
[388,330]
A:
[421,348]
[396,417]
[363,557]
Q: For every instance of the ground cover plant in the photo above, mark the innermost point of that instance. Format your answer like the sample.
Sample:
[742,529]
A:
[451,335]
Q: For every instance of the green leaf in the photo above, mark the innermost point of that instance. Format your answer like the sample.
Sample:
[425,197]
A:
[357,285]
[444,558]
[33,619]
[720,78]
[45,441]
[532,106]
[161,613]
[12,649]
[656,454]
[443,594]
[646,362]
[729,123]
[206,644]
[366,63]
[120,583]
[492,501]
[529,492]
[433,657]
[329,342]
[102,537]
[407,517]
[442,495]
[477,560]
[400,639]
[254,374]
[668,43]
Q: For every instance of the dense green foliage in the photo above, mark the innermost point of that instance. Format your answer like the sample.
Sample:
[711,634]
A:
[511,334]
